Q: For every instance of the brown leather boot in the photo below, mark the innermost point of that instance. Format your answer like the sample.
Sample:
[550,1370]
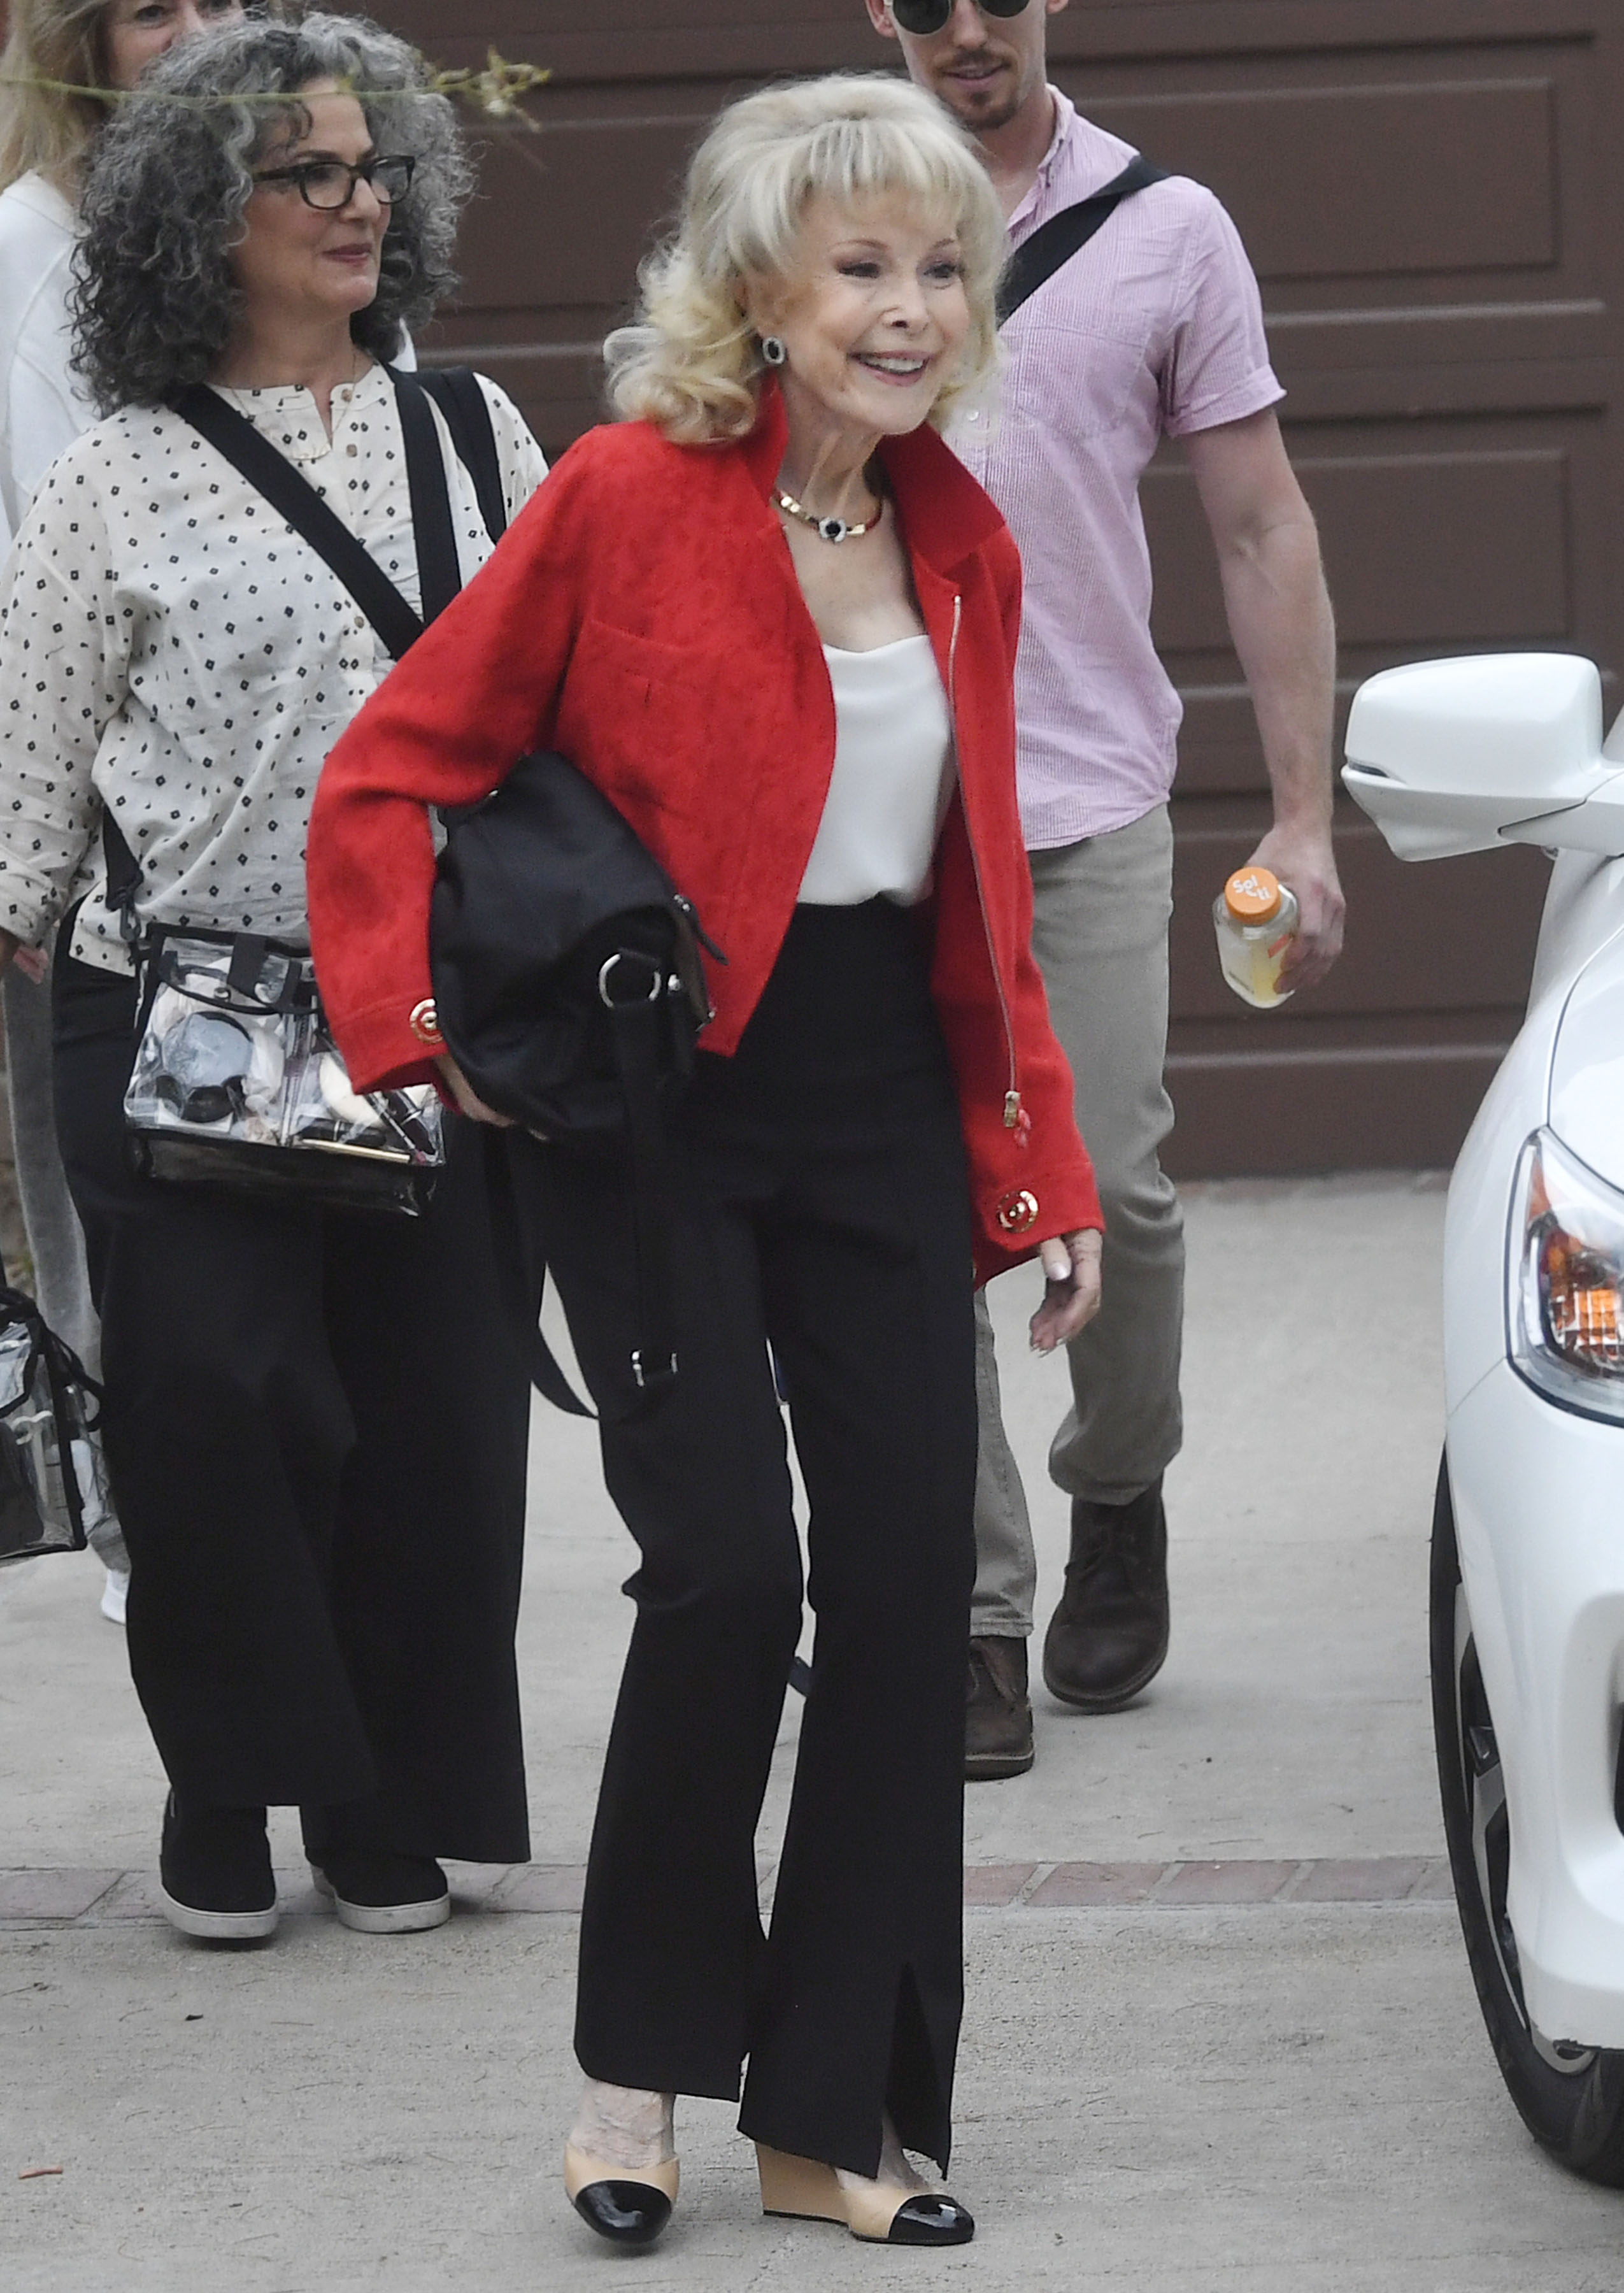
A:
[997,1711]
[1108,1639]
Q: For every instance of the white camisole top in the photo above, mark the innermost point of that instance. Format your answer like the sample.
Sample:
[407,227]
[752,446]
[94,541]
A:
[893,777]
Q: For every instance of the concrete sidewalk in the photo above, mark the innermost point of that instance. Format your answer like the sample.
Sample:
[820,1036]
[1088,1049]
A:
[1220,2029]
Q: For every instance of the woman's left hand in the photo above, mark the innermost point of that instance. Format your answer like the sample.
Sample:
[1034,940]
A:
[1071,1271]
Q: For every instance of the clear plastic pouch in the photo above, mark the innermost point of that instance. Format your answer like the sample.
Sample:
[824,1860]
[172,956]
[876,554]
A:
[53,1483]
[237,1083]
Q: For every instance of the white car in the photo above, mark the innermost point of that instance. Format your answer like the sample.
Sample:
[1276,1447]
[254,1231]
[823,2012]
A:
[1528,1536]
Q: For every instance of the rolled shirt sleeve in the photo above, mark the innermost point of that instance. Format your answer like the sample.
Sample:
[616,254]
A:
[1217,367]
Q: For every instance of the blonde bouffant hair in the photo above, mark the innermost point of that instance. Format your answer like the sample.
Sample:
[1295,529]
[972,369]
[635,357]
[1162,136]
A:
[690,363]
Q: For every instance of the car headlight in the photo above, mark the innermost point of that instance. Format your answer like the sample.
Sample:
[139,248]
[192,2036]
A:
[1564,1301]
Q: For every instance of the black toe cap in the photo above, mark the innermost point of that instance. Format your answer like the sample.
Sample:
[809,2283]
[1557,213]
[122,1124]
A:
[932,2219]
[627,2213]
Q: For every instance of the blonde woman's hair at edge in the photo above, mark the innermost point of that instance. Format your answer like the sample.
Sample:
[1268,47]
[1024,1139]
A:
[40,127]
[690,363]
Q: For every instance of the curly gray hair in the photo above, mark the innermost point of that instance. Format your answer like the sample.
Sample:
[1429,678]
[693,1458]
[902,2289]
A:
[155,301]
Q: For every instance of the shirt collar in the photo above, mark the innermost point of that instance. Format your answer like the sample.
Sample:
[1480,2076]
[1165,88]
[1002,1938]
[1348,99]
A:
[288,414]
[1065,119]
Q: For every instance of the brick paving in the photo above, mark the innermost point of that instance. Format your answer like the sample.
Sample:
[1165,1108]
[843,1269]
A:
[90,1898]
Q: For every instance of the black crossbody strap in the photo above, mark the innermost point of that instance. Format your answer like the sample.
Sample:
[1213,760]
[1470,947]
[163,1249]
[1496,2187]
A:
[639,1031]
[123,870]
[440,573]
[455,391]
[636,1033]
[521,1275]
[292,496]
[1054,243]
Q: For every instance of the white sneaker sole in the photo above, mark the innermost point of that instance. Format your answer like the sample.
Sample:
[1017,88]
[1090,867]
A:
[218,1926]
[384,1918]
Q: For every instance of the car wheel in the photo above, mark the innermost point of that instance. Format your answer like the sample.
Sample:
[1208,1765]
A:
[1570,2097]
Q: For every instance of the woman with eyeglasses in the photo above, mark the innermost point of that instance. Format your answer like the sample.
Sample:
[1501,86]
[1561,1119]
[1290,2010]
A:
[52,47]
[315,1427]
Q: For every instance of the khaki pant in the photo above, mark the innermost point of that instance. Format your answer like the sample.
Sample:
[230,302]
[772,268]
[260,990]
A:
[1099,936]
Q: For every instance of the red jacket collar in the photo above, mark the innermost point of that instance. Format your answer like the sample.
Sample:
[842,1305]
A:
[946,514]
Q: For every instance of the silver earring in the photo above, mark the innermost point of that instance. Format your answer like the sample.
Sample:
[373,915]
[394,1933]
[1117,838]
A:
[773,350]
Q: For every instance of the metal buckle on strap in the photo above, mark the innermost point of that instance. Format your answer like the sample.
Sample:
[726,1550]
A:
[645,1375]
[657,980]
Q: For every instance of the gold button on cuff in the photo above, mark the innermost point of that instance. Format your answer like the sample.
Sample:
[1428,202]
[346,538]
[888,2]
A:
[1018,1213]
[424,1024]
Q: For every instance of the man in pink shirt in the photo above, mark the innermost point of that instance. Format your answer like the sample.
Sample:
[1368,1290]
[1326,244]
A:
[1154,328]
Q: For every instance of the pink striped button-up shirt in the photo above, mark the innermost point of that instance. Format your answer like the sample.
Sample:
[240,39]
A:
[1156,327]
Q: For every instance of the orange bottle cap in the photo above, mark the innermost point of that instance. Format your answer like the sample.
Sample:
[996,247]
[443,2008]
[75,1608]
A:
[1252,895]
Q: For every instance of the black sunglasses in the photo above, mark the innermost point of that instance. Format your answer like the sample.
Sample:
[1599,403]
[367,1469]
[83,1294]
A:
[924,17]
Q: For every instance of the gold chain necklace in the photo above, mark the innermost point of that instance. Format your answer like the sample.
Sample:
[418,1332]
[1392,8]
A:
[831,528]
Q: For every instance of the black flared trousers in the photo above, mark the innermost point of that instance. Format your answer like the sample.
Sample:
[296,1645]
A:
[316,1429]
[823,1213]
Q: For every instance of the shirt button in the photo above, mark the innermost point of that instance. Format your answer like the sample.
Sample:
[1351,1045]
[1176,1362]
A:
[352,452]
[424,1024]
[1017,1213]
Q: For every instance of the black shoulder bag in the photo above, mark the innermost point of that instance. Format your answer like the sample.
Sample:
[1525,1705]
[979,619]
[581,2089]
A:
[1053,244]
[569,988]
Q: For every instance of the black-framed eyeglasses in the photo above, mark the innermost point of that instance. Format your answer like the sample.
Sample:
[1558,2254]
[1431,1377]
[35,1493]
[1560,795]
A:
[924,17]
[329,184]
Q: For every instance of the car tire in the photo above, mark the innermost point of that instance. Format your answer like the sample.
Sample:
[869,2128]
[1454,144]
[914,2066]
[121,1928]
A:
[1570,2098]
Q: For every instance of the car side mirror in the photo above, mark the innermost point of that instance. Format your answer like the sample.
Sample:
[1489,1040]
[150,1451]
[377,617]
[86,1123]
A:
[1456,755]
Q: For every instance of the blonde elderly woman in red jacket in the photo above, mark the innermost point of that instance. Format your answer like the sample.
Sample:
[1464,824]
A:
[774,619]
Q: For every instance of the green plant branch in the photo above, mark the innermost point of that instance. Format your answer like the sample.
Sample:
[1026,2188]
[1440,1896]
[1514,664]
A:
[494,92]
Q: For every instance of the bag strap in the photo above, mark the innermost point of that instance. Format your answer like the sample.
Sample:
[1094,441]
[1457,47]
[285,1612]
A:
[292,496]
[290,493]
[440,573]
[639,1033]
[1037,259]
[521,1273]
[455,391]
[640,1036]
[434,529]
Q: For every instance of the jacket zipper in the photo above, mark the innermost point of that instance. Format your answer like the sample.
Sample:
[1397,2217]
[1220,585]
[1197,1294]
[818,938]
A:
[1011,1096]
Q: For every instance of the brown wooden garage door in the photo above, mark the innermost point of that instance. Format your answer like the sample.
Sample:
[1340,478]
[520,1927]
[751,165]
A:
[1430,192]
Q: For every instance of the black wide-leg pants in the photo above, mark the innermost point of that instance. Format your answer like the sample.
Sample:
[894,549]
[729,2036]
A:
[822,1211]
[316,1429]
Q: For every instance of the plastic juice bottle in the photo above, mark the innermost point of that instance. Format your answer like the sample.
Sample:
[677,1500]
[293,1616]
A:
[1255,919]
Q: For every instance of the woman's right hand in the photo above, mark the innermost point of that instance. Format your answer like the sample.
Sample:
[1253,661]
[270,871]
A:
[467,1099]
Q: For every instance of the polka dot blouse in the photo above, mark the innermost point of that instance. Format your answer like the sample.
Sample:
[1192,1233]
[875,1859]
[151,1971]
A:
[171,649]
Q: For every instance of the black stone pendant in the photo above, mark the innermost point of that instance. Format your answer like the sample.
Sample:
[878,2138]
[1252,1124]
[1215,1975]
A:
[833,529]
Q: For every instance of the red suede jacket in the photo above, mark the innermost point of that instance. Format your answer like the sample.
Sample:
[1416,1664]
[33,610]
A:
[644,617]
